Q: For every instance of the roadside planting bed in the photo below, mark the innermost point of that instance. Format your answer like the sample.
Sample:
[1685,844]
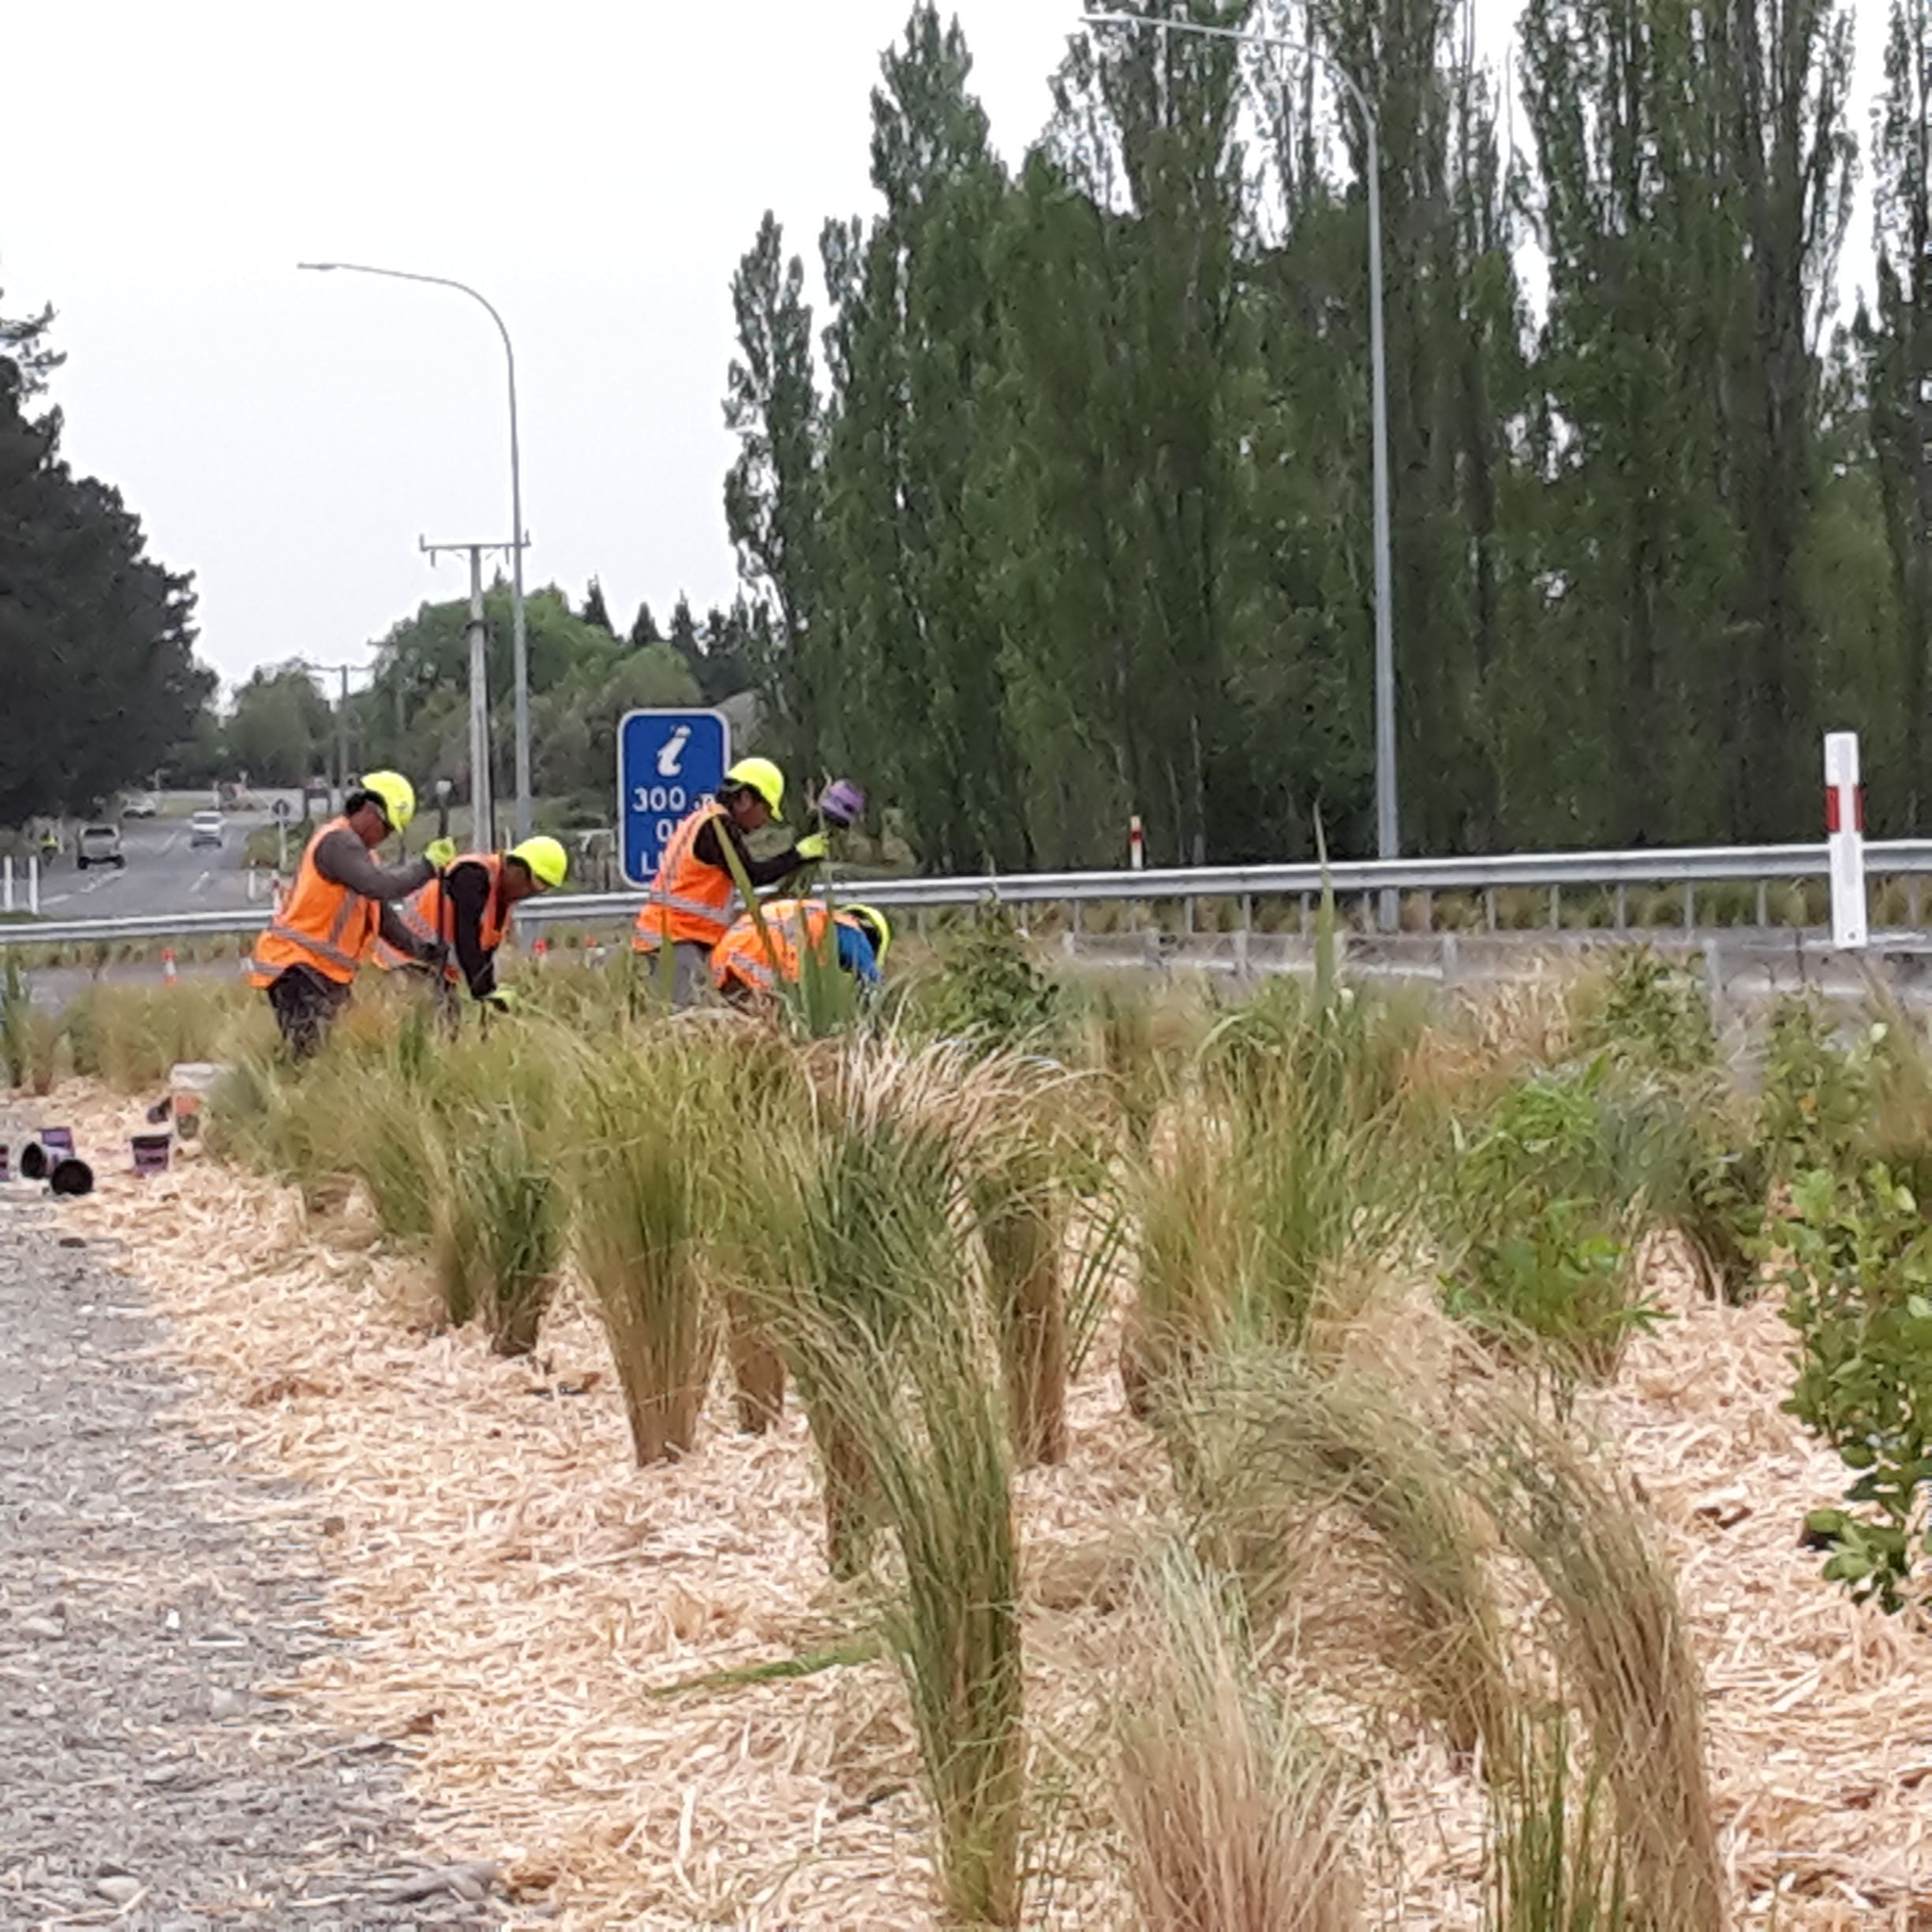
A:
[1084,1458]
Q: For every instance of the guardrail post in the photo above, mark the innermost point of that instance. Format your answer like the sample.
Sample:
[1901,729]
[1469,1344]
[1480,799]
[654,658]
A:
[1428,910]
[1764,904]
[1620,916]
[1187,916]
[1489,908]
[1555,909]
[1303,926]
[1713,980]
[1241,953]
[1690,905]
[1070,939]
[1911,899]
[1450,957]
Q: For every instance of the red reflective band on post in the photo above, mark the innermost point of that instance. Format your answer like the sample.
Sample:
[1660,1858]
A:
[1834,810]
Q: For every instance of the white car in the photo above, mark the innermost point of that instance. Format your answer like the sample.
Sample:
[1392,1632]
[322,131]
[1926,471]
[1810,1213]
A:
[99,845]
[204,829]
[141,805]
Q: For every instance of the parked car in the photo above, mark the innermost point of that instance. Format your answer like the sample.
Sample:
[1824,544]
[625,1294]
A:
[204,829]
[99,845]
[140,805]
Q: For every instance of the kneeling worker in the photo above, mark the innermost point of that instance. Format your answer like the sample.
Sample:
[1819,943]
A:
[746,964]
[306,960]
[689,908]
[461,917]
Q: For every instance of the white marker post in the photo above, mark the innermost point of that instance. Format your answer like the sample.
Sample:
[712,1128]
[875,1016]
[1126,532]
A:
[1844,832]
[1136,845]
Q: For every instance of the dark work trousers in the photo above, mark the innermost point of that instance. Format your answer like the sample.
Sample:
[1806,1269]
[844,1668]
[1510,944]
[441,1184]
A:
[305,1007]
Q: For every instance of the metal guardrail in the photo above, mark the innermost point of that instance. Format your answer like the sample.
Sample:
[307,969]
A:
[1688,867]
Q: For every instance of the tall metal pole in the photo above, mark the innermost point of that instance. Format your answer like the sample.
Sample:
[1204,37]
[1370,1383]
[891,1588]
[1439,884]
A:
[519,645]
[482,802]
[341,735]
[1388,828]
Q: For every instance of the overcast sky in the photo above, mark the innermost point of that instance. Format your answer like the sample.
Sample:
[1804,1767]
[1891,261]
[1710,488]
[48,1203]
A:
[595,168]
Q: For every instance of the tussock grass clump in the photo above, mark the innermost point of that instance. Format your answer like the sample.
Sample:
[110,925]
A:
[645,1142]
[1623,1651]
[1194,1250]
[1233,1818]
[939,1456]
[1283,1466]
[504,1239]
[1555,1862]
[130,1036]
[16,1020]
[879,1229]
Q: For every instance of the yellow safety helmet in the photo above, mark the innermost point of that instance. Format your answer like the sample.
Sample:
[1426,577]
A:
[545,860]
[872,921]
[395,794]
[762,775]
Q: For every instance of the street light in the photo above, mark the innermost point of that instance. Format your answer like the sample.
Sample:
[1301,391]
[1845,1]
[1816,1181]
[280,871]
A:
[519,645]
[1388,841]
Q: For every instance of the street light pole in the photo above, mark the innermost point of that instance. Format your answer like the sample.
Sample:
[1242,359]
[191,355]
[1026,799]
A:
[519,645]
[1388,835]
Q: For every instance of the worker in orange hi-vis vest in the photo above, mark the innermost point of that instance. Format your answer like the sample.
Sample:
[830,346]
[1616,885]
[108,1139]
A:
[463,915]
[749,963]
[691,901]
[307,958]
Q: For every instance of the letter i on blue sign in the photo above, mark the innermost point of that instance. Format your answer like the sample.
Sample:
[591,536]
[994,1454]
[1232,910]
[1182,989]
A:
[669,763]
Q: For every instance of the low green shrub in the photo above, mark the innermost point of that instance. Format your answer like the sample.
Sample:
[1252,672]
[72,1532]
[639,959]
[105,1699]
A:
[1858,1295]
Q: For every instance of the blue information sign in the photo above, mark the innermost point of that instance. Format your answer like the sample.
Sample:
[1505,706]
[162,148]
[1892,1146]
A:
[667,763]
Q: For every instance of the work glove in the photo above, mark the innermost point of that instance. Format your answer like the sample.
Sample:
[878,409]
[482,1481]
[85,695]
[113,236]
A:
[504,999]
[813,847]
[441,853]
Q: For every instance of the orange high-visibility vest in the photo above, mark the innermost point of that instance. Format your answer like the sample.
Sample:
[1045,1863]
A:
[430,915]
[760,963]
[688,899]
[322,926]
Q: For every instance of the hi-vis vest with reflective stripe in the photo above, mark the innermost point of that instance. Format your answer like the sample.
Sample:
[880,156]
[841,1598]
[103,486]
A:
[322,926]
[688,899]
[430,915]
[790,924]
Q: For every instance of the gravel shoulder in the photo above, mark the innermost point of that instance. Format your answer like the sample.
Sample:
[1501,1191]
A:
[156,1601]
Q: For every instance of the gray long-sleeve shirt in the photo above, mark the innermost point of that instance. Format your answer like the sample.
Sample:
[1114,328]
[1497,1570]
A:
[344,860]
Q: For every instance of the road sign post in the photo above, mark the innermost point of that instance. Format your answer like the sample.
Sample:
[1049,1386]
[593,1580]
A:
[667,763]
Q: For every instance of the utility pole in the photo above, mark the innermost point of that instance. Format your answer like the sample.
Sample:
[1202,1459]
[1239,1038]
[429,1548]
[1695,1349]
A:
[482,797]
[342,722]
[519,648]
[341,736]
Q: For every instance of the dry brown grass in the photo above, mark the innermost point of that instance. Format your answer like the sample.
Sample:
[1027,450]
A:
[1233,1817]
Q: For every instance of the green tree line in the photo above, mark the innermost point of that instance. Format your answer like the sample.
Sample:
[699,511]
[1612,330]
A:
[412,711]
[97,638]
[1062,512]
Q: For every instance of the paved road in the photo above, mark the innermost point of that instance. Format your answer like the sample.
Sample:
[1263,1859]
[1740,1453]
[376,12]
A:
[164,873]
[152,1595]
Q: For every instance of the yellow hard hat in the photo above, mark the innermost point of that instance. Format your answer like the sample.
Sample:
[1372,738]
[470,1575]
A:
[762,777]
[872,922]
[545,858]
[395,795]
